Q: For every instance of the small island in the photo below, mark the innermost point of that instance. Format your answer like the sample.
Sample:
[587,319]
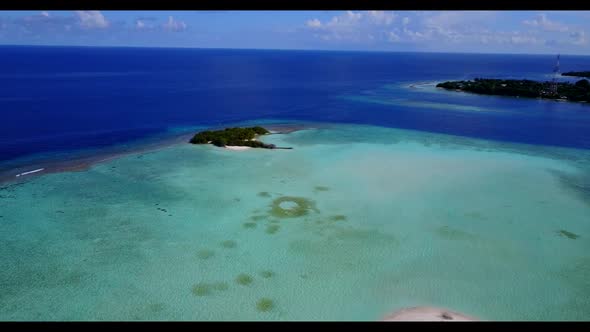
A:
[579,91]
[234,137]
[577,74]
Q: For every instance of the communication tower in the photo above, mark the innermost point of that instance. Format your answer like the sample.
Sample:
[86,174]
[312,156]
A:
[553,86]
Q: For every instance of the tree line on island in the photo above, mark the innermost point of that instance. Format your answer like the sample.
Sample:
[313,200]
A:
[234,137]
[577,73]
[579,91]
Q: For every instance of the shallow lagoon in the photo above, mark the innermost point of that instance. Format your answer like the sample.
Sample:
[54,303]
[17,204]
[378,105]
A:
[353,223]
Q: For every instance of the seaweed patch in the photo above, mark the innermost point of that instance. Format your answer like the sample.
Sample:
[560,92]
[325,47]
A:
[264,304]
[249,225]
[450,233]
[229,244]
[338,217]
[206,288]
[569,235]
[244,279]
[320,188]
[156,307]
[202,289]
[258,217]
[272,229]
[205,253]
[220,286]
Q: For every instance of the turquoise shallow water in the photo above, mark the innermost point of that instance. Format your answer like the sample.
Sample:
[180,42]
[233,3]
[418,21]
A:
[365,221]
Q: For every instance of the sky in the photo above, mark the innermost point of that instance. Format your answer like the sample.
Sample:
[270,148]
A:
[532,32]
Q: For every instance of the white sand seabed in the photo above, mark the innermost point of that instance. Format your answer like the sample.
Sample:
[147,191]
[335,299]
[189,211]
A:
[427,314]
[231,147]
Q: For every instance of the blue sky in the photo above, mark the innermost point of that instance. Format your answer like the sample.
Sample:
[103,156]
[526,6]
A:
[565,32]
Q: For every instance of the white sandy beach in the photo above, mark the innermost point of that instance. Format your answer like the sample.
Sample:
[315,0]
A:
[427,314]
[232,147]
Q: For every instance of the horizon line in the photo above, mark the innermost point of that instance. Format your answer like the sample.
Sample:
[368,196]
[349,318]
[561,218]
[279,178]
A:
[287,49]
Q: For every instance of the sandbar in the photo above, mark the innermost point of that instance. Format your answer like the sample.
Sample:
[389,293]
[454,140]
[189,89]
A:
[431,314]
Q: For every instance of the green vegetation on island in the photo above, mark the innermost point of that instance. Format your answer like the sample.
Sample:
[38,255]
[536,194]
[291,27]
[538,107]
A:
[579,91]
[234,137]
[577,73]
[231,136]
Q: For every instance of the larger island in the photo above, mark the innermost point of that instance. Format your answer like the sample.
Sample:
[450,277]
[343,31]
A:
[577,73]
[244,137]
[579,91]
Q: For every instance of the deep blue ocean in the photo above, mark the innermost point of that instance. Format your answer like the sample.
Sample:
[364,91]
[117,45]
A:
[56,99]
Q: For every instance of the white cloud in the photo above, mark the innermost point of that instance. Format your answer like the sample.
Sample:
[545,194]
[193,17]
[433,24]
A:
[37,24]
[43,17]
[349,17]
[146,24]
[562,34]
[578,37]
[363,26]
[458,20]
[451,27]
[416,35]
[523,39]
[466,28]
[394,37]
[509,38]
[174,25]
[49,24]
[342,22]
[92,19]
[380,17]
[315,23]
[450,30]
[547,25]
